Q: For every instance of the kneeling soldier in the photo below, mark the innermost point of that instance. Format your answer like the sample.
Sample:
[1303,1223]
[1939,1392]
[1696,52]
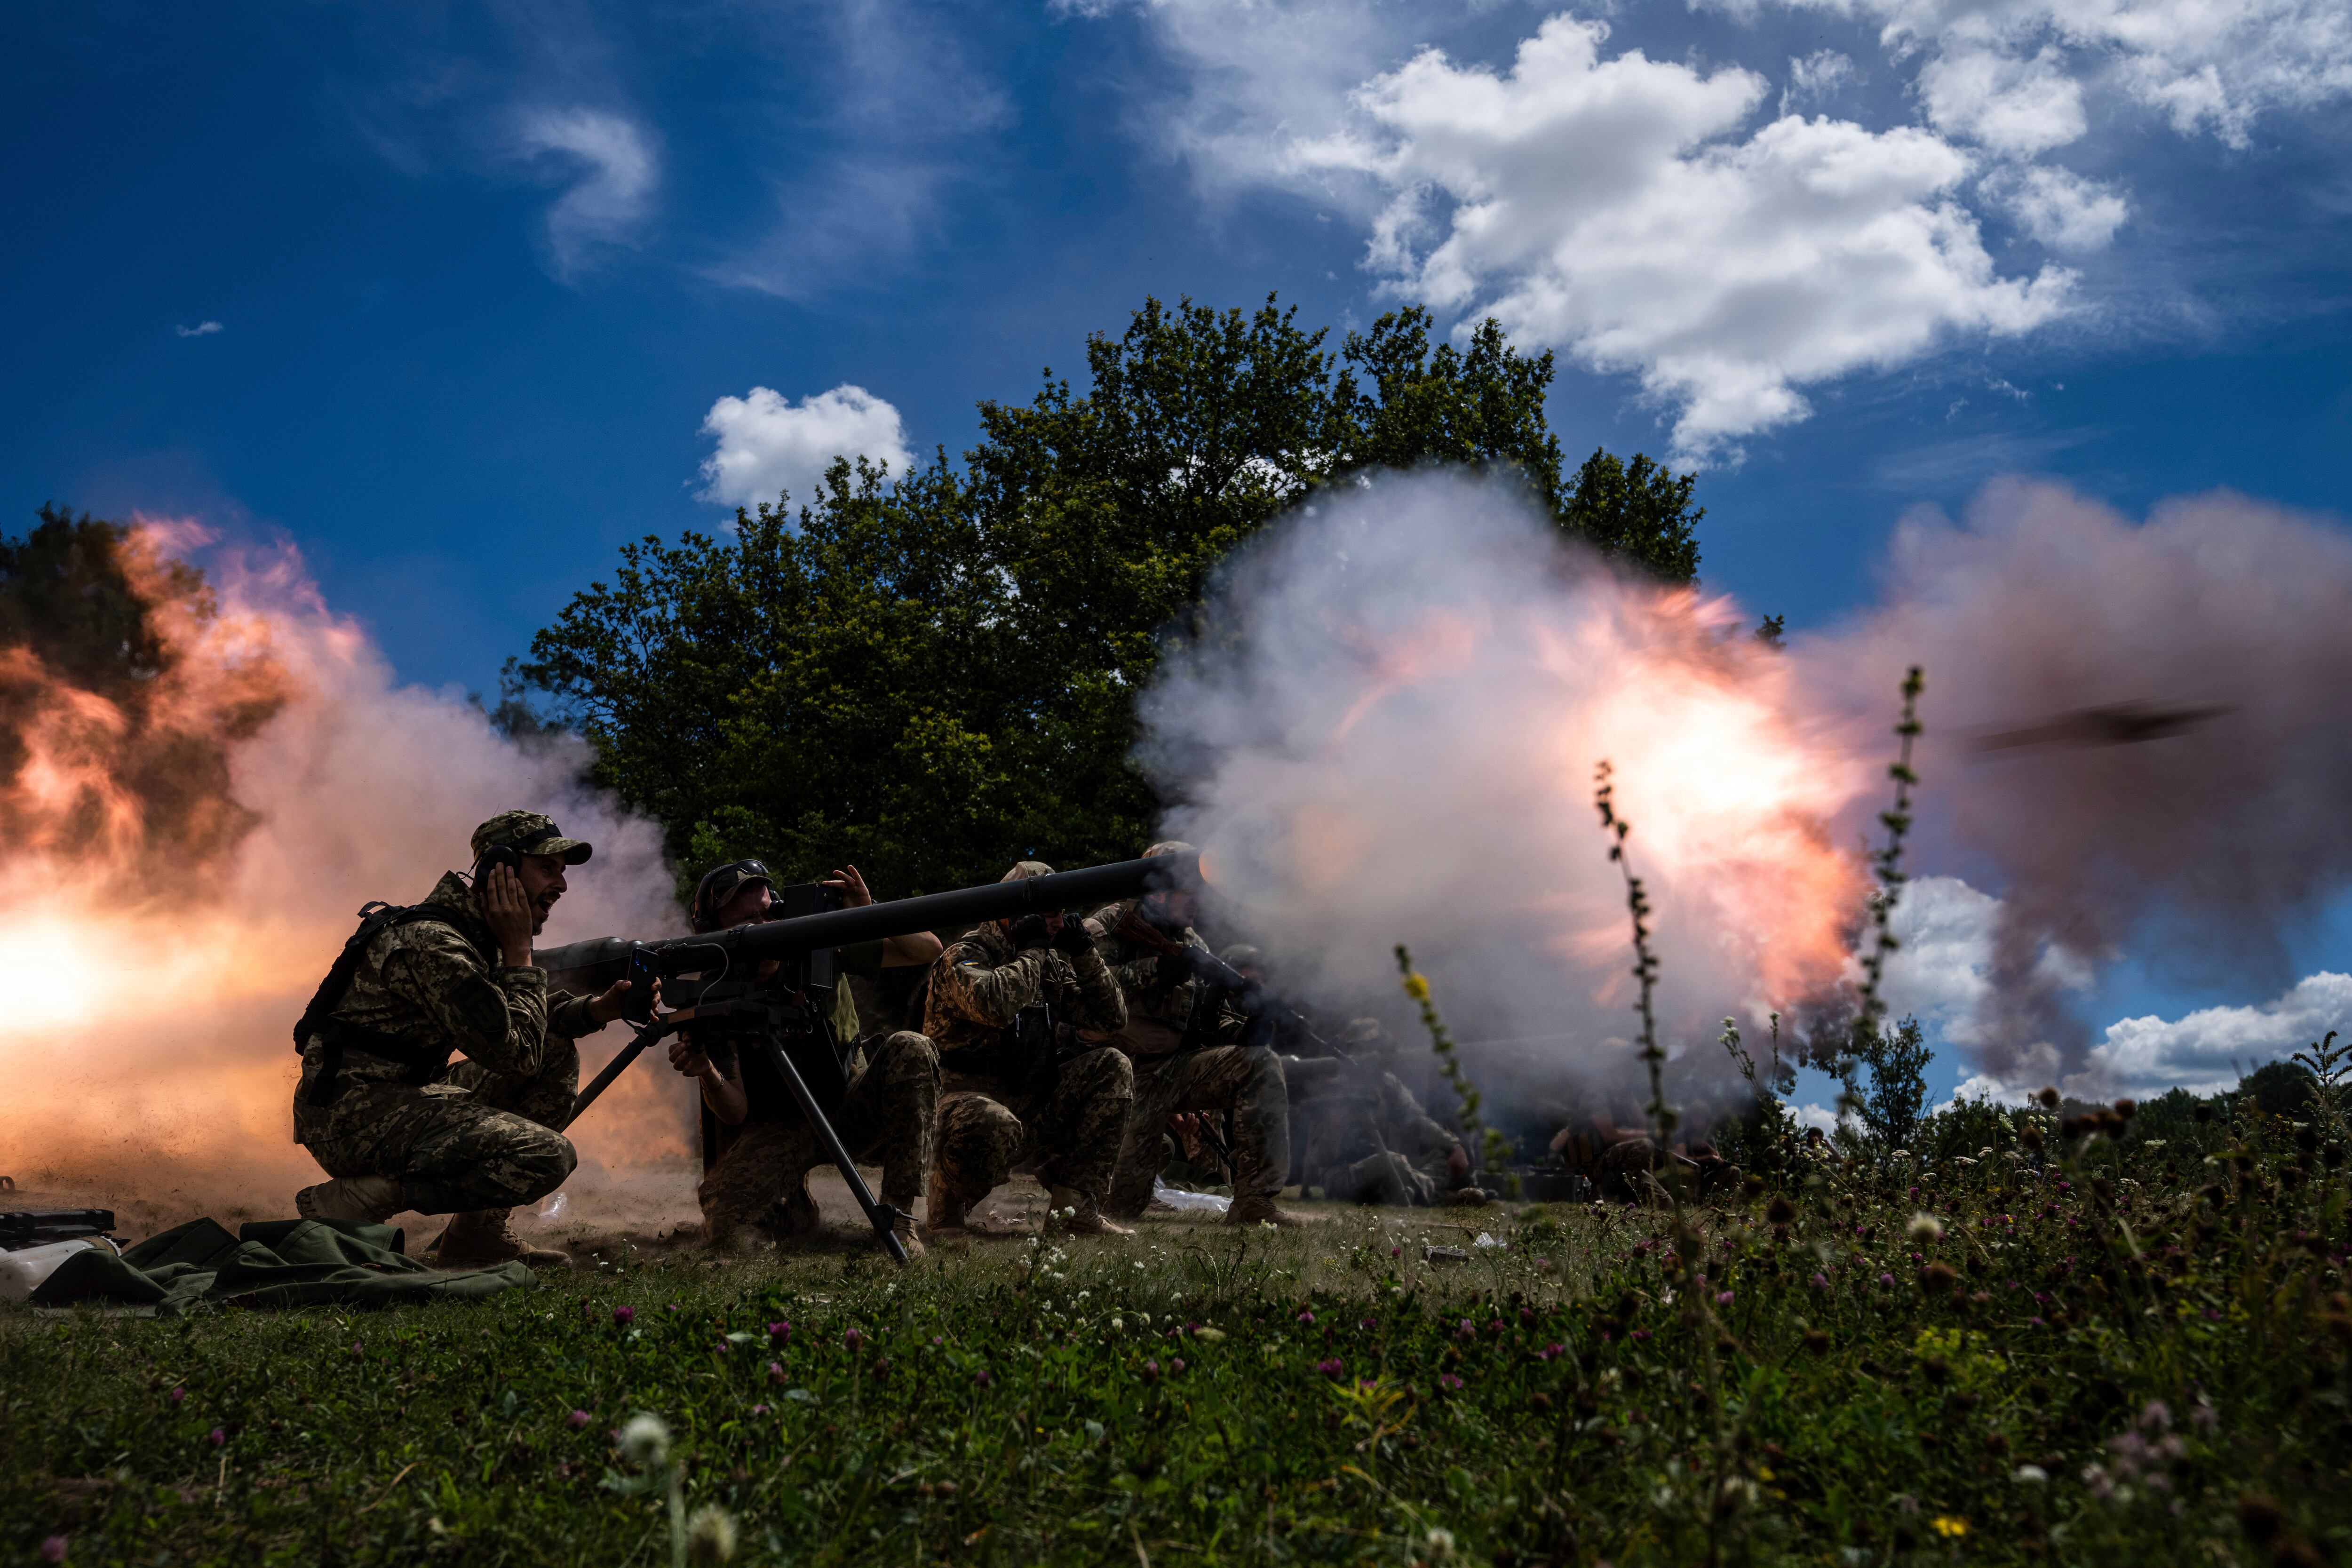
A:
[381,1107]
[888,1114]
[1008,1002]
[1146,943]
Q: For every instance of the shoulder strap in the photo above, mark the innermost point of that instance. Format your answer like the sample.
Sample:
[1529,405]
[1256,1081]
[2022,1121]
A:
[374,919]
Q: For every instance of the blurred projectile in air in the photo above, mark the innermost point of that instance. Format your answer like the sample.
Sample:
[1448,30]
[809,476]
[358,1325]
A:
[2110,724]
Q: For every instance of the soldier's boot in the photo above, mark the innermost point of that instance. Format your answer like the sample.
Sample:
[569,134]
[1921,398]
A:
[794,1216]
[479,1237]
[1081,1214]
[358,1200]
[1256,1209]
[903,1228]
[943,1208]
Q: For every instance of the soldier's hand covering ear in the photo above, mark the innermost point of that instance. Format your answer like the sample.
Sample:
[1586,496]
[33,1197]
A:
[1030,931]
[1073,937]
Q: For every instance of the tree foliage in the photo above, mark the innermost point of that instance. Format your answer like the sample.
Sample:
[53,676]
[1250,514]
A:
[935,673]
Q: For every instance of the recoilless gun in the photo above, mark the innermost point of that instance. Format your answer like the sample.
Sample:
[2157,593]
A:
[724,979]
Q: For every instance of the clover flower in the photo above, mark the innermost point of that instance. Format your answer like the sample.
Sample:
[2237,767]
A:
[781,1332]
[624,1314]
[178,1396]
[216,1438]
[851,1340]
[579,1418]
[1333,1368]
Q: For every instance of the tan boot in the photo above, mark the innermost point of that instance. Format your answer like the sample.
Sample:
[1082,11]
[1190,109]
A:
[1258,1210]
[903,1228]
[480,1238]
[942,1210]
[357,1200]
[1081,1214]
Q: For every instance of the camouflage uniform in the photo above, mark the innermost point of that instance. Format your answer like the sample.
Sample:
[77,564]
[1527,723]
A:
[1243,1082]
[989,1124]
[1347,1126]
[886,1117]
[477,1134]
[1619,1168]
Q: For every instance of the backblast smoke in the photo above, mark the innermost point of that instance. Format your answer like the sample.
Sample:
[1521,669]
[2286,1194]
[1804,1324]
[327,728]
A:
[186,850]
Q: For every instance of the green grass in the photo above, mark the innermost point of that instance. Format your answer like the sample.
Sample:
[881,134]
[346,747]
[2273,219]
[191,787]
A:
[2171,1362]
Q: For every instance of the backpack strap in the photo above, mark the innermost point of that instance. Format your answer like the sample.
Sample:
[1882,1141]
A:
[318,1018]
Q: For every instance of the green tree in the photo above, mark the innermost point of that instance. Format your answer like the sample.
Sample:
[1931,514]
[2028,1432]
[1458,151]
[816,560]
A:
[935,673]
[1897,1060]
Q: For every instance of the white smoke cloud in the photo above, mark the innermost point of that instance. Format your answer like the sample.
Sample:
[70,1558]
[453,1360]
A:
[1389,733]
[767,444]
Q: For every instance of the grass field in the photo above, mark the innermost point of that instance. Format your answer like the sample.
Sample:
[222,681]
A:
[2135,1353]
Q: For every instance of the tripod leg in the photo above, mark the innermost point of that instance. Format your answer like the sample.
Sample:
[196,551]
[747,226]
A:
[877,1215]
[645,1037]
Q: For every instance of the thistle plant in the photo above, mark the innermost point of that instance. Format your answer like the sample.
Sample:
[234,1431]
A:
[1887,864]
[1491,1145]
[1645,962]
[709,1535]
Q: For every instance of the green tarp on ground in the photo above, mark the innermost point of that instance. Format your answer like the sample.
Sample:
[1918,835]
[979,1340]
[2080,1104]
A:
[269,1263]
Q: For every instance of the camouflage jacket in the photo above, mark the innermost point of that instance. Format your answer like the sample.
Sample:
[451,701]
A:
[1159,996]
[440,984]
[1340,1117]
[980,983]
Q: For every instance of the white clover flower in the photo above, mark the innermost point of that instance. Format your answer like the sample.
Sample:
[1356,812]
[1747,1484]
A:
[1143,1317]
[2030,1475]
[1119,1323]
[1084,1294]
[1926,1227]
[645,1439]
[1441,1542]
[710,1535]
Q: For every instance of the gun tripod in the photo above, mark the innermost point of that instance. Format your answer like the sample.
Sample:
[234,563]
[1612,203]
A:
[879,1214]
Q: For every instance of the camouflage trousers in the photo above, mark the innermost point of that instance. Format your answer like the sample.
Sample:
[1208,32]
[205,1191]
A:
[888,1117]
[1244,1081]
[986,1127]
[1385,1178]
[471,1138]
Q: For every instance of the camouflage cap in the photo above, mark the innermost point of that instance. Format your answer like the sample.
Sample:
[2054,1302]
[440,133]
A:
[530,833]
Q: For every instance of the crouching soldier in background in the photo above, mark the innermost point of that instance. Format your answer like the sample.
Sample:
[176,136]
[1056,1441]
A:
[1620,1160]
[1179,1066]
[382,1109]
[1368,1140]
[1010,1000]
[888,1114]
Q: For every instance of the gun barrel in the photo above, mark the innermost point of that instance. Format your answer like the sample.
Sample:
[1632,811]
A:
[594,964]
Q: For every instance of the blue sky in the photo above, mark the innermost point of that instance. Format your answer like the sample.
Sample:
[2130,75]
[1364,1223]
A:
[480,273]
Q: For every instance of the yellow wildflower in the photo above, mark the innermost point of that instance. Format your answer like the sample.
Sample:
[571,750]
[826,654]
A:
[1950,1527]
[1417,987]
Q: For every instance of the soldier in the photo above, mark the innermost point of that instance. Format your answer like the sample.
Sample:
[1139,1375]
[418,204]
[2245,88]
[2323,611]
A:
[887,1115]
[1147,943]
[1368,1140]
[1008,1002]
[379,1106]
[1619,1160]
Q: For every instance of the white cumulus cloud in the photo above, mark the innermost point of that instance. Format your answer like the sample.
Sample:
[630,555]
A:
[2204,64]
[2059,208]
[2013,106]
[618,173]
[201,329]
[1613,207]
[2203,1051]
[767,444]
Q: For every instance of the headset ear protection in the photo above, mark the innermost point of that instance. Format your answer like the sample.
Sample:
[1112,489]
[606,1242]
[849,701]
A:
[496,855]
